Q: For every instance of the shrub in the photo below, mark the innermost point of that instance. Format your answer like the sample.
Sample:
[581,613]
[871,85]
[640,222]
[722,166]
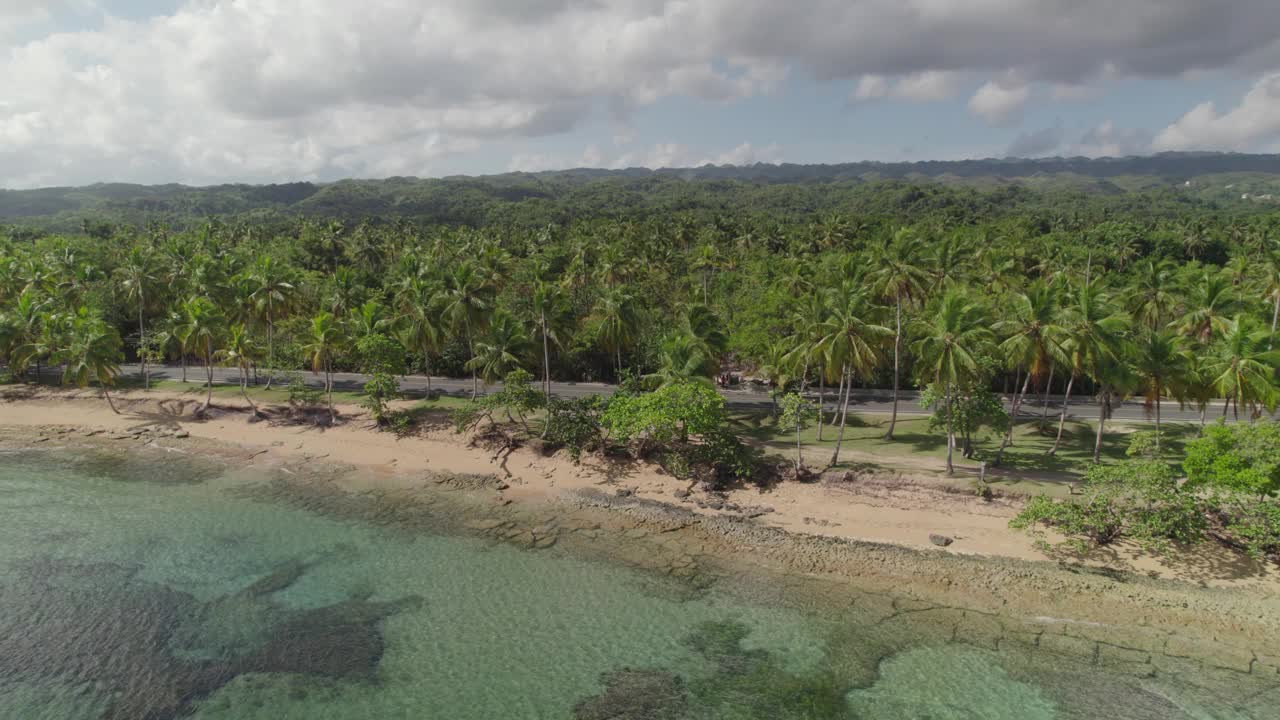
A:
[1138,499]
[301,395]
[666,415]
[1142,444]
[517,399]
[1250,523]
[574,423]
[1241,458]
[382,359]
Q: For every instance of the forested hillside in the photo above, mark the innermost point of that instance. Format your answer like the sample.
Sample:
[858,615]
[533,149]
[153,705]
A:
[968,189]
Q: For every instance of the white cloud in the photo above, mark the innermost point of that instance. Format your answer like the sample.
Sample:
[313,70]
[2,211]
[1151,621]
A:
[281,89]
[1109,140]
[872,87]
[999,102]
[926,86]
[660,155]
[1253,122]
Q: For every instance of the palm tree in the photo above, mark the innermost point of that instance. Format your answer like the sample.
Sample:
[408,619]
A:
[705,262]
[273,291]
[29,318]
[202,326]
[1242,370]
[323,343]
[1033,342]
[1161,363]
[1211,303]
[950,342]
[707,331]
[370,318]
[346,293]
[806,350]
[851,342]
[1153,295]
[241,351]
[901,278]
[500,349]
[682,358]
[135,274]
[419,322]
[1091,343]
[549,315]
[617,322]
[93,354]
[466,301]
[1271,290]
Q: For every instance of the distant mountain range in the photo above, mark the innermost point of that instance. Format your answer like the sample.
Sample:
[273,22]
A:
[1219,177]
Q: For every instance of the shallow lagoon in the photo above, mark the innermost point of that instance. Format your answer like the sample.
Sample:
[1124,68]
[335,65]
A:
[145,588]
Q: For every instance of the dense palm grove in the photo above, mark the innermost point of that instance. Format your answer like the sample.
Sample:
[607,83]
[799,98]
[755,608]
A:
[1103,303]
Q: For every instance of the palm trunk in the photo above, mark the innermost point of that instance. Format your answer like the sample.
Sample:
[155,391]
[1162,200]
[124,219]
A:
[1013,419]
[106,393]
[1062,422]
[183,352]
[1158,393]
[951,433]
[799,454]
[847,381]
[271,346]
[244,390]
[142,355]
[1044,399]
[208,369]
[1226,405]
[897,352]
[1275,315]
[546,357]
[328,388]
[822,397]
[1103,407]
[471,350]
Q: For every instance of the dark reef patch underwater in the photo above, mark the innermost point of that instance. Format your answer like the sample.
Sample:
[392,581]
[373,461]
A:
[147,587]
[154,651]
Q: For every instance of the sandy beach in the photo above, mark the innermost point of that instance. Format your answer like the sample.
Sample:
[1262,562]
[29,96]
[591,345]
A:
[1208,611]
[883,507]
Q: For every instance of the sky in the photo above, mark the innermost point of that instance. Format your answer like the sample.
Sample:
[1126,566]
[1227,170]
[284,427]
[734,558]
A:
[212,91]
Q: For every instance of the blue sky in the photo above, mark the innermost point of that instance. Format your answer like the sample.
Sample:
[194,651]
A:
[207,91]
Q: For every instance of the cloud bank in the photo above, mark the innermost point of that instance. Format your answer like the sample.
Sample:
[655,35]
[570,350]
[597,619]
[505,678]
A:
[266,90]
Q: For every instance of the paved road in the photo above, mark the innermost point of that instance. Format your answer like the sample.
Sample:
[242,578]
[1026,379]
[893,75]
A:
[865,401]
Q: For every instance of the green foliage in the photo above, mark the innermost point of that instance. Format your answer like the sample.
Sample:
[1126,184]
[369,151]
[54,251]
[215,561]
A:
[973,407]
[1241,458]
[670,413]
[796,415]
[1143,444]
[1138,499]
[1253,524]
[574,423]
[518,398]
[301,395]
[382,359]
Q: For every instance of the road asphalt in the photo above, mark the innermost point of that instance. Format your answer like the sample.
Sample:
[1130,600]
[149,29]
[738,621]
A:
[744,397]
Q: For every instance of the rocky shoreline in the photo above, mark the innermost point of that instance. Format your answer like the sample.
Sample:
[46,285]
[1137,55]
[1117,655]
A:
[1039,612]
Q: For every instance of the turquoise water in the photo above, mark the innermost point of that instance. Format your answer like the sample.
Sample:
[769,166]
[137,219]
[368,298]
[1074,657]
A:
[156,588]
